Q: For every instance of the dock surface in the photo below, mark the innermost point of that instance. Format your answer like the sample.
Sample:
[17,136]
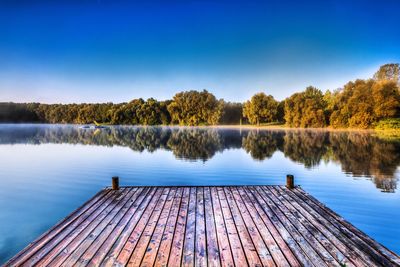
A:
[204,226]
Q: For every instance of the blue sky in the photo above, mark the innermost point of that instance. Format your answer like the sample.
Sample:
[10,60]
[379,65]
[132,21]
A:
[114,51]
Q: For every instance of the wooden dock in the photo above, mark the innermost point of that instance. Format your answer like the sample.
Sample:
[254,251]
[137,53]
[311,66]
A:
[204,226]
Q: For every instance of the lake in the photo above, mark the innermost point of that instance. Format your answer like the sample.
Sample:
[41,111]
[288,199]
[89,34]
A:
[47,171]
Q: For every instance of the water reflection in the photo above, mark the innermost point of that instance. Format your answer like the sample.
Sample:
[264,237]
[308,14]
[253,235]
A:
[306,147]
[358,153]
[262,145]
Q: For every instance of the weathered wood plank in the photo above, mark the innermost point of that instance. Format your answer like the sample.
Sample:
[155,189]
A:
[135,248]
[200,239]
[168,235]
[71,253]
[238,253]
[213,256]
[259,233]
[176,252]
[303,251]
[190,232]
[154,243]
[224,247]
[279,237]
[98,235]
[139,217]
[98,250]
[291,221]
[286,207]
[257,253]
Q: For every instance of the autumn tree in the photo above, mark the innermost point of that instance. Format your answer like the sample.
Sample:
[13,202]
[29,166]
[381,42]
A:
[386,97]
[355,108]
[261,108]
[306,109]
[362,103]
[389,72]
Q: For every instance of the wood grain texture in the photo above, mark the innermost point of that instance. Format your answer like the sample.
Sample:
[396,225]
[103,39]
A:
[204,226]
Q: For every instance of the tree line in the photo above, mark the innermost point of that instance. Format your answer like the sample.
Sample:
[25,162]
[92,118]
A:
[359,104]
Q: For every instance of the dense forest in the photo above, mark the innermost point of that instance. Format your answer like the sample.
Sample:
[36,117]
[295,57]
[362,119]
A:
[359,104]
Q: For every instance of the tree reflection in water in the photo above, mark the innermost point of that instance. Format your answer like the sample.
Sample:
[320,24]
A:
[306,146]
[262,145]
[195,144]
[358,153]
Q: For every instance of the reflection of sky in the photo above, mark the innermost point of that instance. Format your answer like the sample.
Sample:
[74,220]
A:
[115,51]
[43,183]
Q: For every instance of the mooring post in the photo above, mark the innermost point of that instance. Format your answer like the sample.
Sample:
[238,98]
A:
[290,181]
[115,182]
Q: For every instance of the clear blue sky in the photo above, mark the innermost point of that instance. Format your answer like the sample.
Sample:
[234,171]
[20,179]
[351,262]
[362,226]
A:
[101,51]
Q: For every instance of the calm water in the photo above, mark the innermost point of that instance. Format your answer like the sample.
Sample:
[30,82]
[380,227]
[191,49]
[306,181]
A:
[49,170]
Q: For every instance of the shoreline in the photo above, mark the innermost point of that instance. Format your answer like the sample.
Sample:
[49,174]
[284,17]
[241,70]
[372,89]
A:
[283,127]
[225,126]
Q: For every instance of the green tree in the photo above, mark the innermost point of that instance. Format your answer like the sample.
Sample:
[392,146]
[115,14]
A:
[148,113]
[165,117]
[195,108]
[15,112]
[127,113]
[261,108]
[280,116]
[232,113]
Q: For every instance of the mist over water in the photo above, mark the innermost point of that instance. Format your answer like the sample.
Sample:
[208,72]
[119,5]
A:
[49,170]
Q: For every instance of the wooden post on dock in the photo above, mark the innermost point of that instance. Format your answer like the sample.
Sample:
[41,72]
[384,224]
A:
[115,182]
[290,181]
